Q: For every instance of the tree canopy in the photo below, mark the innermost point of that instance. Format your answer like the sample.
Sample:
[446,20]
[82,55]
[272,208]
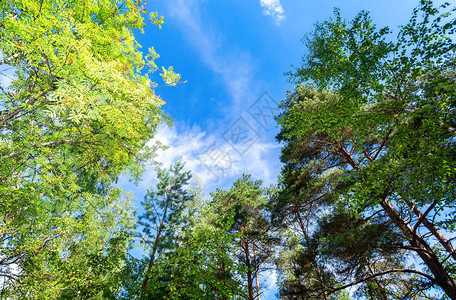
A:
[371,128]
[78,114]
[363,208]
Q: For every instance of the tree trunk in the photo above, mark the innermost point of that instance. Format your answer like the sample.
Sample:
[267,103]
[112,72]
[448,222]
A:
[430,226]
[152,256]
[249,269]
[442,278]
[256,272]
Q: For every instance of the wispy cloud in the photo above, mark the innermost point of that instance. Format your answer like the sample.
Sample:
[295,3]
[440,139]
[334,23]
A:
[232,65]
[214,159]
[214,162]
[273,8]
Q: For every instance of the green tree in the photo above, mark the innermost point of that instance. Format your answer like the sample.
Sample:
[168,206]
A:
[246,198]
[301,273]
[200,267]
[223,272]
[380,115]
[295,209]
[78,113]
[189,246]
[360,247]
[324,249]
[90,264]
[163,218]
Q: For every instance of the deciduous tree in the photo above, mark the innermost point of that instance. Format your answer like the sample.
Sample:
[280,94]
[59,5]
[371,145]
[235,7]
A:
[246,198]
[78,113]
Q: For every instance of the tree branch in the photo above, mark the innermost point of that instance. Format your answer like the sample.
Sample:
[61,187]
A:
[28,101]
[49,144]
[9,58]
[381,274]
[423,216]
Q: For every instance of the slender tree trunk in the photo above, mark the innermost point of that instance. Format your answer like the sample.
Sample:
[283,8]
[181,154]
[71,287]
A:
[152,256]
[441,276]
[249,268]
[312,253]
[256,272]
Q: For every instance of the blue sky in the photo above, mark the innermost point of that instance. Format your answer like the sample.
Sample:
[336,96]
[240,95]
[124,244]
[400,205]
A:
[233,55]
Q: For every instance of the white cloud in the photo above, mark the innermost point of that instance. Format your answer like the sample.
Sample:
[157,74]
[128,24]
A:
[213,161]
[271,285]
[273,8]
[236,70]
[233,66]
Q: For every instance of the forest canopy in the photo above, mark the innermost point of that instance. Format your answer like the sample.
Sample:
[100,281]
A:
[363,207]
[78,114]
[369,147]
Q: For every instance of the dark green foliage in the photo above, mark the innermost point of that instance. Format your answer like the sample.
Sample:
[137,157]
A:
[246,198]
[369,149]
[164,208]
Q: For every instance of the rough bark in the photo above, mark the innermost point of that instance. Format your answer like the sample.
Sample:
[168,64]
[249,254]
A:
[441,277]
[249,269]
[256,272]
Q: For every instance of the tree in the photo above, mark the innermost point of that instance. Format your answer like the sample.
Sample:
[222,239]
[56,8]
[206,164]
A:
[222,278]
[77,114]
[381,116]
[200,267]
[188,246]
[87,263]
[295,209]
[163,217]
[359,247]
[301,273]
[246,199]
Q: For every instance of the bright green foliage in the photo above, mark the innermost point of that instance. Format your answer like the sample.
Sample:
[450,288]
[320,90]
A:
[375,130]
[76,116]
[211,231]
[200,267]
[80,255]
[188,245]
